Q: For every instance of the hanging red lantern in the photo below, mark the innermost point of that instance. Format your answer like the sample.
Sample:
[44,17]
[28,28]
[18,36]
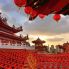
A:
[20,3]
[34,13]
[57,17]
[28,10]
[41,16]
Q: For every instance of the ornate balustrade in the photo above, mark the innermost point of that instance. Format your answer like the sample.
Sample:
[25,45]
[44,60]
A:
[9,45]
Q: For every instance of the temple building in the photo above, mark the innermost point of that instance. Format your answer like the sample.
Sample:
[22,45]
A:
[8,37]
[39,45]
[66,47]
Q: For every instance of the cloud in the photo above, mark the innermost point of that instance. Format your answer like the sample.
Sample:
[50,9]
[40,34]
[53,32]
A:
[56,39]
[48,26]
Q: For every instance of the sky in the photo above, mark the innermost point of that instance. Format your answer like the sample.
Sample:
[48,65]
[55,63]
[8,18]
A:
[46,29]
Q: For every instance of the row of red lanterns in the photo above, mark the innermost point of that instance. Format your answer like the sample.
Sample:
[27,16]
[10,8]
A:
[33,13]
[30,55]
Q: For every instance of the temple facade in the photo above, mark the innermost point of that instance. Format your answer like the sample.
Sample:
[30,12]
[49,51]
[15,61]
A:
[8,37]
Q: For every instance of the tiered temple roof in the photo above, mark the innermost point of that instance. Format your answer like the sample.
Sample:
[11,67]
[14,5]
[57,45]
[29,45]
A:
[38,41]
[5,26]
[7,32]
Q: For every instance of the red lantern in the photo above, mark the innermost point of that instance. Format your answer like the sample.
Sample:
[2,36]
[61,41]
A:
[41,16]
[57,17]
[28,10]
[34,13]
[20,3]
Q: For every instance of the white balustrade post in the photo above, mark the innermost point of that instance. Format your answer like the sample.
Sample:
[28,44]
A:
[9,43]
[16,44]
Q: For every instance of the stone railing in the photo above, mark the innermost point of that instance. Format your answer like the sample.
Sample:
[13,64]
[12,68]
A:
[16,46]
